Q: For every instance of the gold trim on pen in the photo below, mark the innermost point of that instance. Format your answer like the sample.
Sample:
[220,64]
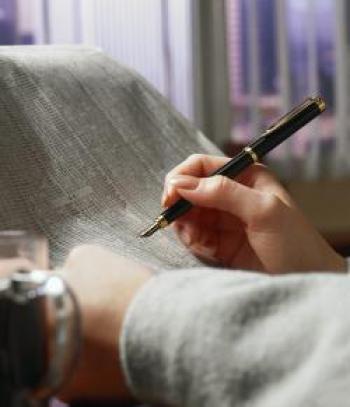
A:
[162,222]
[252,154]
[320,103]
[159,223]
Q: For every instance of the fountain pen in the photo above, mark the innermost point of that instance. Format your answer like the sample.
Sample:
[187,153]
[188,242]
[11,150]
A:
[258,148]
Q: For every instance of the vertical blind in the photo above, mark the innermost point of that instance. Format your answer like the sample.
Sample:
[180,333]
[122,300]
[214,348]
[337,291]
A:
[151,36]
[281,51]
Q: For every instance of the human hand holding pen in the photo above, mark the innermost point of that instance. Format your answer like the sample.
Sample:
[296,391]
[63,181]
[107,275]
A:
[247,223]
[274,135]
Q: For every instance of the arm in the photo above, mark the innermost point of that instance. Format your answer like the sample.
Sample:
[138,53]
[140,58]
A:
[209,337]
[215,337]
[218,338]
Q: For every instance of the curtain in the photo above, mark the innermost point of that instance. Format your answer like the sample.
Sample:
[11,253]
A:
[151,36]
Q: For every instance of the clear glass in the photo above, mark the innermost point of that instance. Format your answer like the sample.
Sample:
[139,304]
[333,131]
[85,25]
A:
[19,244]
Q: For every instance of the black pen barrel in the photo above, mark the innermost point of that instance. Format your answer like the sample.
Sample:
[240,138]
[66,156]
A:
[273,136]
[269,140]
[179,208]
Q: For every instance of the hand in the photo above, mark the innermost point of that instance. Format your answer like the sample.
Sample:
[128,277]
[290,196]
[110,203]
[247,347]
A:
[247,223]
[104,284]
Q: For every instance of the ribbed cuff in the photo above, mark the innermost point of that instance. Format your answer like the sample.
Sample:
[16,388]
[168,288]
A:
[146,342]
[158,343]
[191,337]
[134,329]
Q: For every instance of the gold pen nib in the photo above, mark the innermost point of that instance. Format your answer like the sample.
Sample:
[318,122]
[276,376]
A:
[149,232]
[159,223]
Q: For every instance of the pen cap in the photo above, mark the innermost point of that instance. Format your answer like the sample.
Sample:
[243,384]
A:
[288,125]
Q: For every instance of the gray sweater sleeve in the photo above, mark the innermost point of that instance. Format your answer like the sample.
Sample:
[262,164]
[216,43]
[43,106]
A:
[206,337]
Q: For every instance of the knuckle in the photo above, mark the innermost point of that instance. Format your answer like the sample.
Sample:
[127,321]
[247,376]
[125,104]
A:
[195,161]
[184,167]
[220,184]
[270,209]
[169,175]
[195,157]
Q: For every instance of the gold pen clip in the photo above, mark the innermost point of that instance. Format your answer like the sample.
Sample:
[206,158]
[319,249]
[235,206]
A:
[290,115]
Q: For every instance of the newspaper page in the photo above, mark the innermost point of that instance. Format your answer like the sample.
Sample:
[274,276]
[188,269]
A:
[85,144]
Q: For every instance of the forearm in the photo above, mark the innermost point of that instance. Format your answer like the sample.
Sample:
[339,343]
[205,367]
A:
[196,338]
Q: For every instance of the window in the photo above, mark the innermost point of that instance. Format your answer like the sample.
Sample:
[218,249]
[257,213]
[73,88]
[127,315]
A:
[151,36]
[279,53]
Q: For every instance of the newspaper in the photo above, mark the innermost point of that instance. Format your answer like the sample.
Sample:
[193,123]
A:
[85,144]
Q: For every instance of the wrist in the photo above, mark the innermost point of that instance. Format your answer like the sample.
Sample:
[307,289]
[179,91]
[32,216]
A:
[98,375]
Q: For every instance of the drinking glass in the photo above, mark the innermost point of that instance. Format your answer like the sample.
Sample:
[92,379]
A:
[28,246]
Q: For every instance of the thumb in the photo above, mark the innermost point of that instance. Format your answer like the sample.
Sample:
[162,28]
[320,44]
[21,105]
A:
[222,193]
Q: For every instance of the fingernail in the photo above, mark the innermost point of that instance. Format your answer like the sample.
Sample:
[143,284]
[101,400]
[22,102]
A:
[184,182]
[166,194]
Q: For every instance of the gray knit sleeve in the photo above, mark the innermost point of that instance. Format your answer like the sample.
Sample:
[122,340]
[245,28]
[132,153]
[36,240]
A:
[205,337]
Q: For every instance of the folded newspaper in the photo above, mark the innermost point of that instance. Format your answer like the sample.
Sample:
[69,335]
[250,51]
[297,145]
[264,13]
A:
[85,144]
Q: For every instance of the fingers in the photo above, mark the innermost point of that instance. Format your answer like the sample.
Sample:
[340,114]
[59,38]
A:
[252,207]
[198,165]
[256,176]
[209,242]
